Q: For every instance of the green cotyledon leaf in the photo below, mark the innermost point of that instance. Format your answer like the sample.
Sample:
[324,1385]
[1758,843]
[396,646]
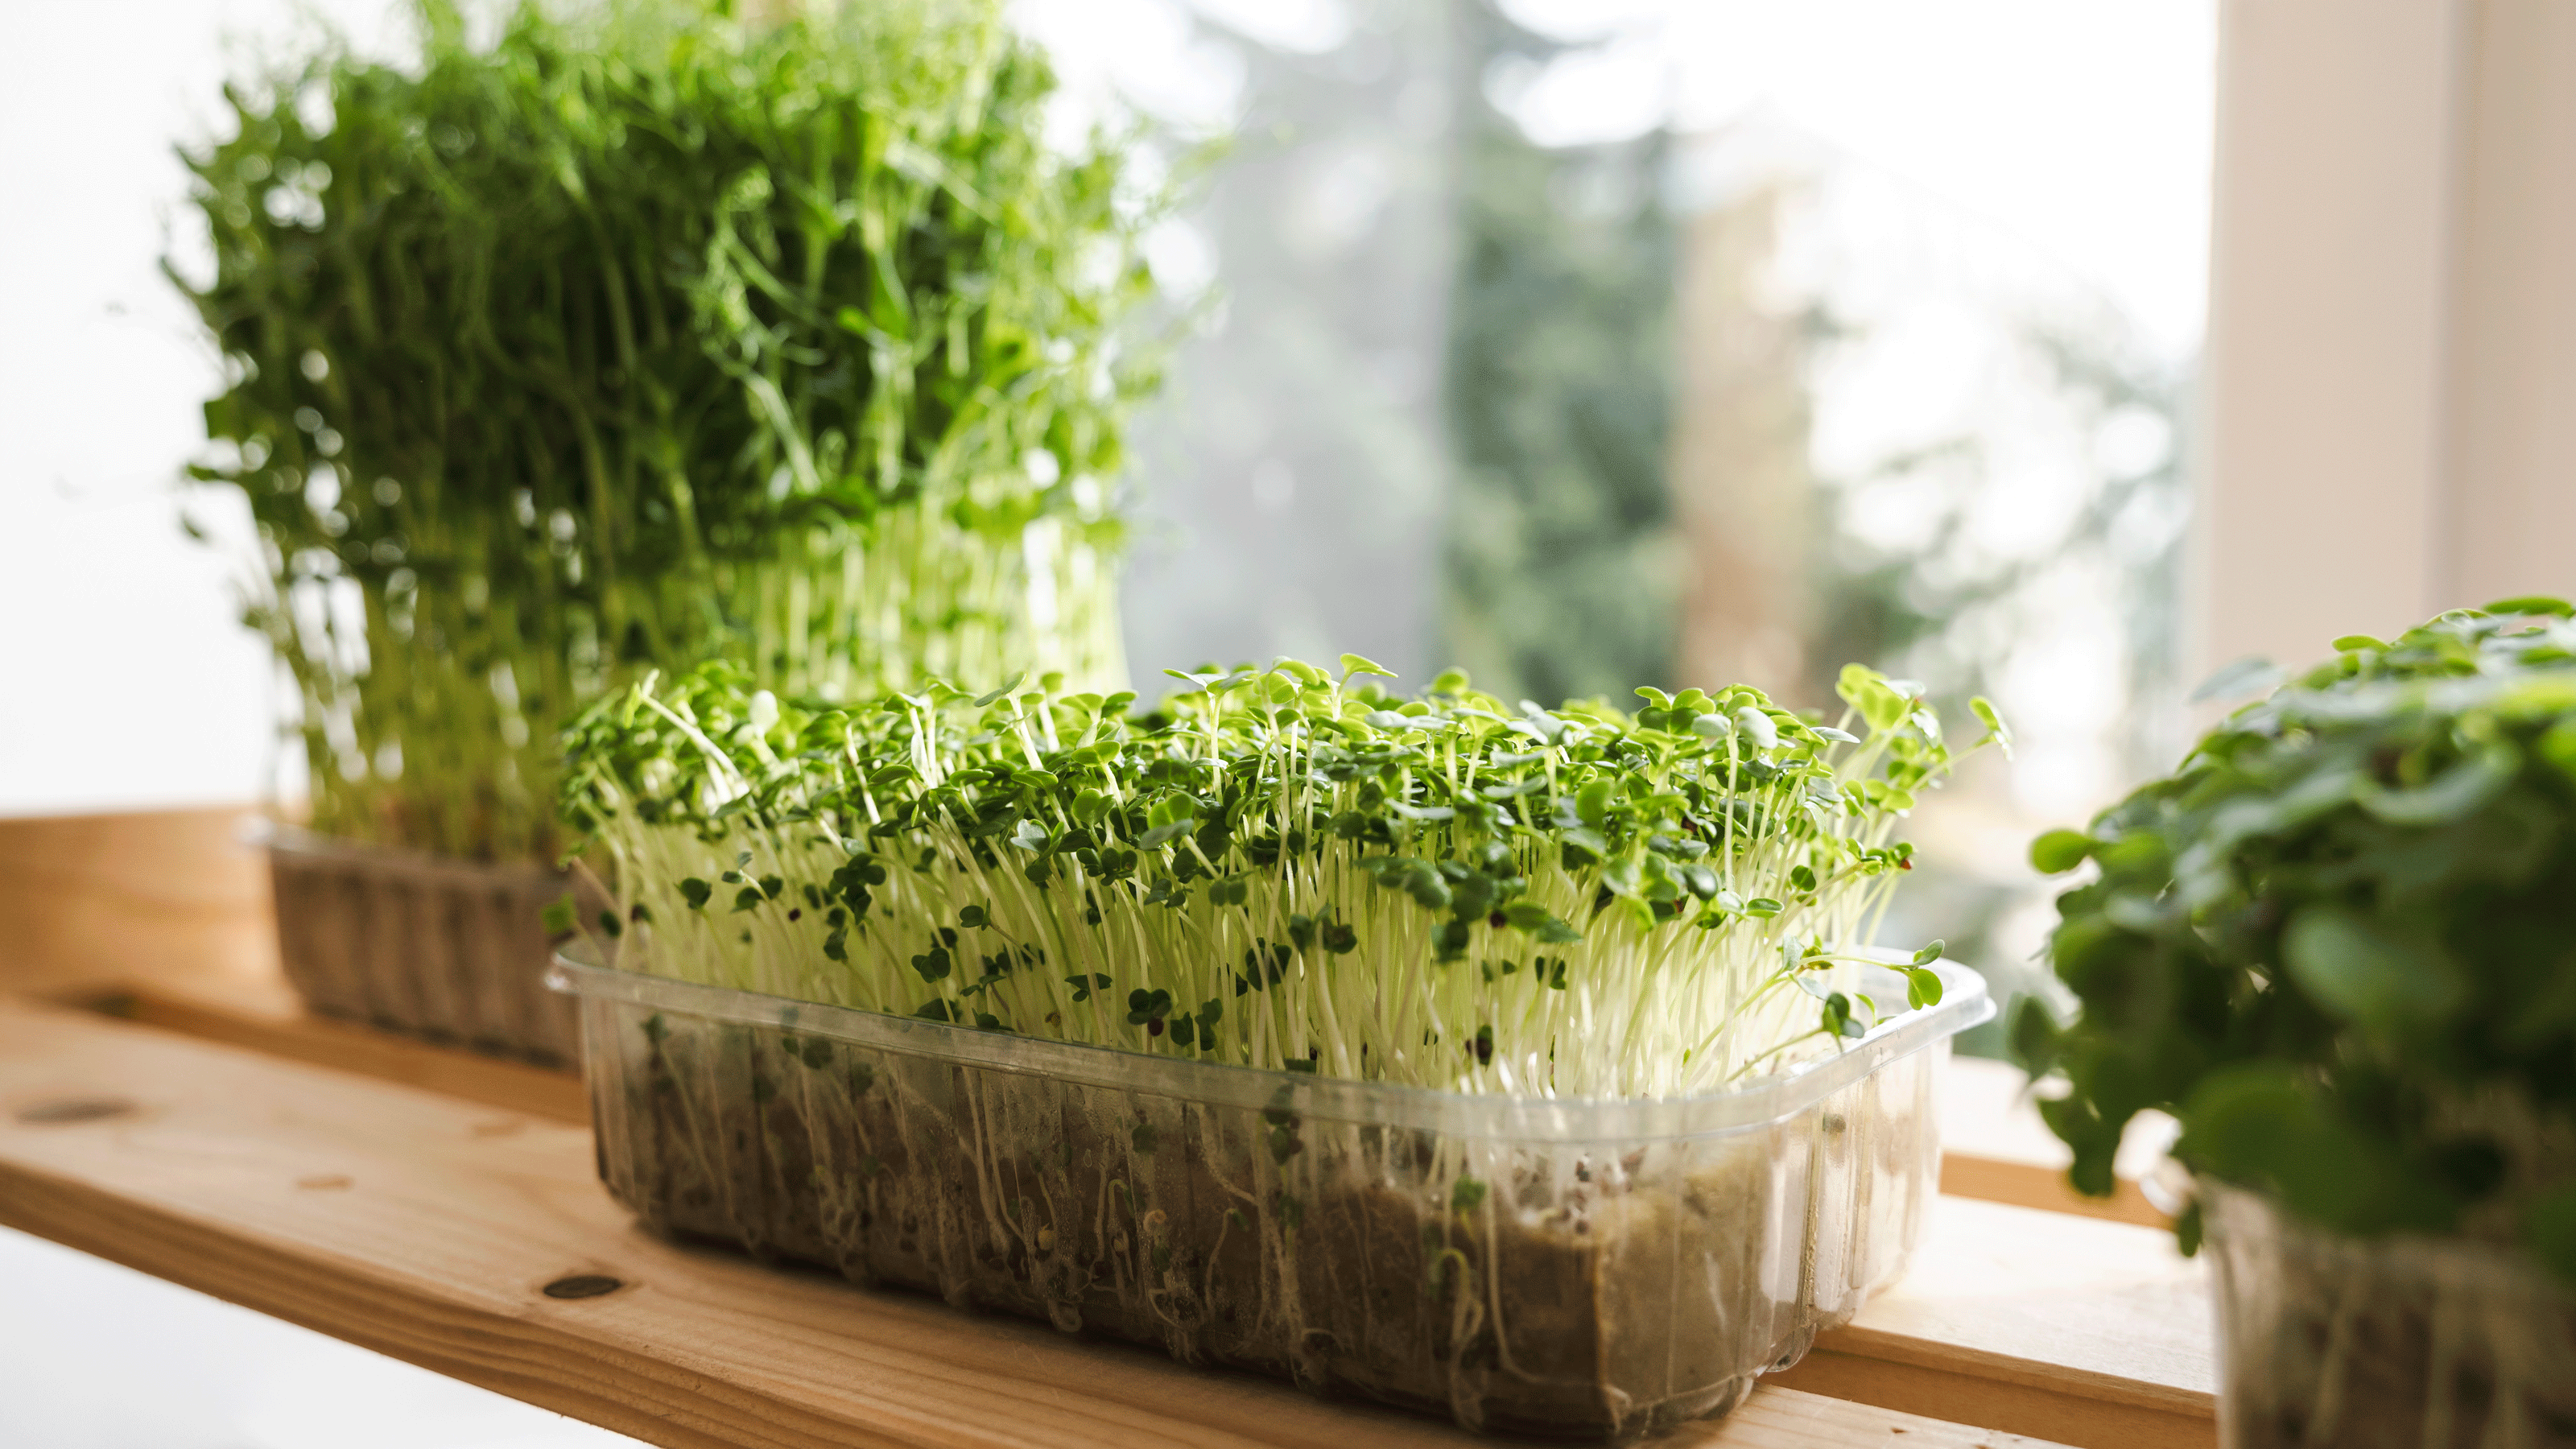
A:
[1262,844]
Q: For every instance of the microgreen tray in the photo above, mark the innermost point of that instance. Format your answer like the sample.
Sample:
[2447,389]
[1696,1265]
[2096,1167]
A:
[1593,1269]
[2382,1343]
[449,950]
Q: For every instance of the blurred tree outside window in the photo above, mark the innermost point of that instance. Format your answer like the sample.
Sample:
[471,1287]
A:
[1590,343]
[1564,576]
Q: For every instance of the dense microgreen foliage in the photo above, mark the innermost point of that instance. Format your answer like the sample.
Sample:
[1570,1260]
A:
[644,337]
[2340,942]
[1281,868]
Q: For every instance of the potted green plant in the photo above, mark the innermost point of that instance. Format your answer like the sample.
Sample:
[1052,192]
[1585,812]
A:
[630,339]
[2339,944]
[1516,1064]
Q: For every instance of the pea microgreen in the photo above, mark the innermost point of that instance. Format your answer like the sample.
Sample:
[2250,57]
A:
[639,334]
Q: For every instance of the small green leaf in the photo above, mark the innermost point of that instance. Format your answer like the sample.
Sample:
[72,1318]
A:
[2060,851]
[1532,919]
[2459,791]
[1837,1017]
[1993,720]
[2358,970]
[1592,803]
[2032,1039]
[558,917]
[1467,1195]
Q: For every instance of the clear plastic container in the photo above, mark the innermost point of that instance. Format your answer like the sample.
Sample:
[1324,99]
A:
[1595,1269]
[449,950]
[2400,1342]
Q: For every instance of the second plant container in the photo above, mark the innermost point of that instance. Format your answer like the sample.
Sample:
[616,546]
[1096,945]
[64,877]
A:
[416,943]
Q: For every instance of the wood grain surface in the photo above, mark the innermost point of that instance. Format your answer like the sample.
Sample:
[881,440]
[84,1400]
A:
[266,1016]
[426,1226]
[1994,1146]
[146,896]
[165,915]
[2041,1323]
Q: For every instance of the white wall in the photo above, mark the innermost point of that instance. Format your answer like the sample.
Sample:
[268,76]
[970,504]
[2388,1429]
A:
[2392,343]
[124,680]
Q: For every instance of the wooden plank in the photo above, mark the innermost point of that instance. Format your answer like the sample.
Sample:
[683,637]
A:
[265,1015]
[1995,1147]
[144,896]
[424,1227]
[164,917]
[2036,1322]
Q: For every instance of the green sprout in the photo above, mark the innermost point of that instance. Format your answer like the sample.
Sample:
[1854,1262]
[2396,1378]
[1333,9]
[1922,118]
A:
[1286,868]
[649,335]
[2336,943]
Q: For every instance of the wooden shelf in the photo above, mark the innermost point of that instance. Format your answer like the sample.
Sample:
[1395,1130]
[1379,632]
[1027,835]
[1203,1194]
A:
[425,1225]
[267,1017]
[418,1201]
[165,895]
[1995,1148]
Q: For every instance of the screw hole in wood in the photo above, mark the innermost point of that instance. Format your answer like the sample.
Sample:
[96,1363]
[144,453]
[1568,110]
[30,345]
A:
[64,1111]
[583,1285]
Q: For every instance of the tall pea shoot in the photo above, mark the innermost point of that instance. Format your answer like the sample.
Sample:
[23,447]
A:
[2339,943]
[648,336]
[1284,868]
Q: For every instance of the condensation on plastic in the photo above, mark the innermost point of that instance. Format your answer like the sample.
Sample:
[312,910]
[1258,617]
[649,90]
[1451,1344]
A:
[448,950]
[1595,1269]
[2398,1342]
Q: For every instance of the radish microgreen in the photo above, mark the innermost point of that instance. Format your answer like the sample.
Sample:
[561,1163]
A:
[1286,867]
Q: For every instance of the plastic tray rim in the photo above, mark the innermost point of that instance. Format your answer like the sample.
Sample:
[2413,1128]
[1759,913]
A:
[1760,1104]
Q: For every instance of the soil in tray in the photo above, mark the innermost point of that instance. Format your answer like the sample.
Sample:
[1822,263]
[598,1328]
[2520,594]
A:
[2333,1342]
[1588,1294]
